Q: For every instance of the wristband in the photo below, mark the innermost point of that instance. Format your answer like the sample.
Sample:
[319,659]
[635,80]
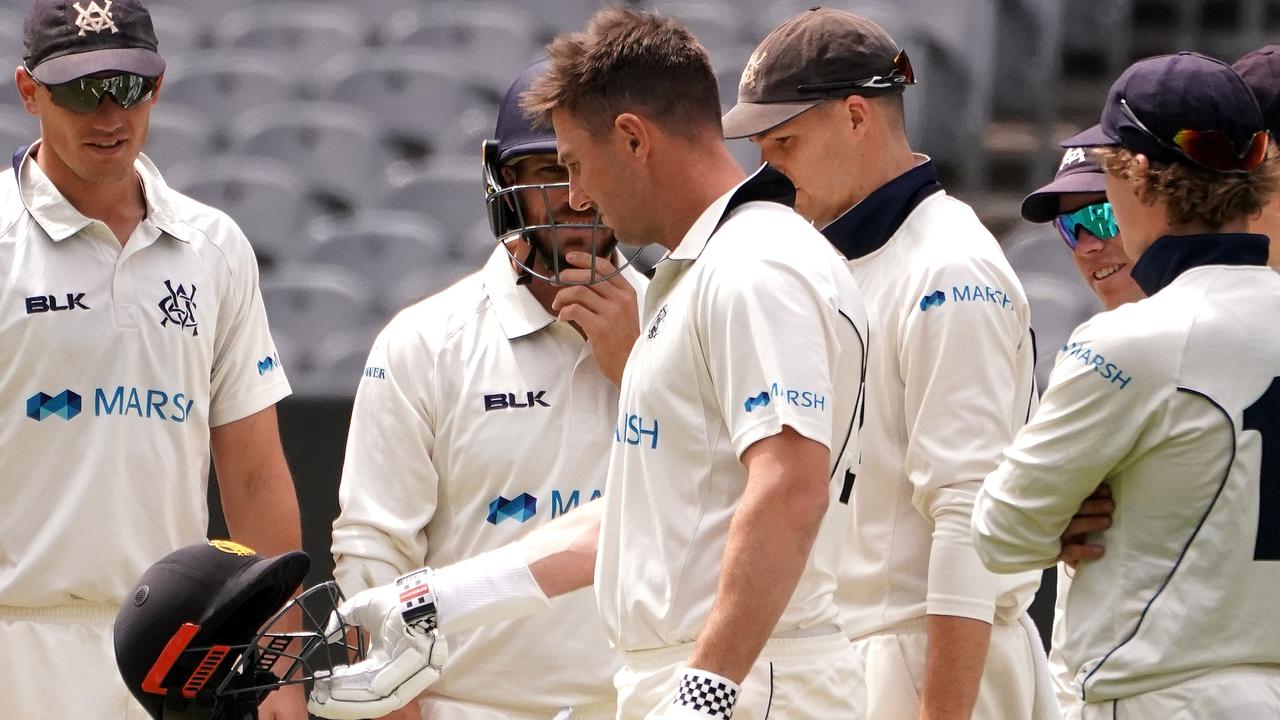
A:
[707,693]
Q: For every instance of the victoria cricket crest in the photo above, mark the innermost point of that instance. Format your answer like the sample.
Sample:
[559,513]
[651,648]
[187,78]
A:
[179,308]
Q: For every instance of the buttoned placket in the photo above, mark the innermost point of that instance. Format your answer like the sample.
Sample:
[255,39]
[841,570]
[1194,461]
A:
[123,289]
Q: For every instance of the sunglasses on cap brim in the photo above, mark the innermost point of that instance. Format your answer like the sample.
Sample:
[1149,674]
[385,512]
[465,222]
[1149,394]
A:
[84,95]
[1210,149]
[899,76]
[1098,218]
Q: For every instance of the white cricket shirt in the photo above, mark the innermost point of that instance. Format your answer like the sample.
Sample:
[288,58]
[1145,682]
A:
[114,364]
[479,418]
[752,323]
[1175,402]
[949,383]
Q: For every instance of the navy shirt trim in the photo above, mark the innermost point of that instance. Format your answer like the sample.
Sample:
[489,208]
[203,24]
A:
[867,226]
[1172,255]
[766,184]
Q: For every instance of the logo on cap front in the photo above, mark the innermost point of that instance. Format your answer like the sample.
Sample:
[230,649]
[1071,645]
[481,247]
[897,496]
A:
[1073,156]
[95,18]
[752,72]
[232,548]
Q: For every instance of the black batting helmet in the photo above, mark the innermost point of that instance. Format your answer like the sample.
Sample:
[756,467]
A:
[202,637]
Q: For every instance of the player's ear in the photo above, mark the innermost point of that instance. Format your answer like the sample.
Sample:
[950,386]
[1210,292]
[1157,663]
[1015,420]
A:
[856,111]
[26,89]
[634,133]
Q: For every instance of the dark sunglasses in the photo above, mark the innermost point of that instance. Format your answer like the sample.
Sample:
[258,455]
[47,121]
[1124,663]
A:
[1210,149]
[900,76]
[84,95]
[1098,218]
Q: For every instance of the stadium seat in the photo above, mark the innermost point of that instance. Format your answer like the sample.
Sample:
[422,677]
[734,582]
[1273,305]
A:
[178,30]
[714,22]
[263,196]
[449,191]
[17,128]
[177,134]
[312,305]
[308,32]
[422,99]
[328,369]
[334,146]
[11,34]
[381,247]
[491,40]
[427,281]
[221,85]
[556,16]
[205,12]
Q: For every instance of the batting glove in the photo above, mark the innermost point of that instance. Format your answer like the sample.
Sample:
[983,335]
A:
[703,695]
[406,651]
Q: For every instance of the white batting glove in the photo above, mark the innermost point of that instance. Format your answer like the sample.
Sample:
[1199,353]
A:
[406,651]
[702,695]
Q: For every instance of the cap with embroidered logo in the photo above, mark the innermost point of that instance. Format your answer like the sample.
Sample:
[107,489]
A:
[1079,172]
[69,39]
[817,55]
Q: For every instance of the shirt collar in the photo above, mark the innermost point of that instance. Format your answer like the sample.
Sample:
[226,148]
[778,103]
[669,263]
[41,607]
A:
[59,218]
[517,309]
[765,184]
[1172,255]
[867,226]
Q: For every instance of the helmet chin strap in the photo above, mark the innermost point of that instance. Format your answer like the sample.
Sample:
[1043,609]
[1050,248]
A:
[525,276]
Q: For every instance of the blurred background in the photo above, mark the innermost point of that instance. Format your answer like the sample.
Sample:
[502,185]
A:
[344,137]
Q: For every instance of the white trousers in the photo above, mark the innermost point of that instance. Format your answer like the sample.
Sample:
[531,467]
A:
[1240,692]
[805,678]
[60,663]
[434,707]
[1015,680]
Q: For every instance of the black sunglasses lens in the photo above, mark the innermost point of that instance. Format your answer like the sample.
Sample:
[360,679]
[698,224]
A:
[83,95]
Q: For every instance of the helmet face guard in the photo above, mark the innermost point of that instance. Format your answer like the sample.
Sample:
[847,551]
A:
[509,219]
[227,682]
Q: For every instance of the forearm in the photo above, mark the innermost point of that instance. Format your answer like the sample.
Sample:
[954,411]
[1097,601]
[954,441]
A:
[261,508]
[954,658]
[769,542]
[562,554]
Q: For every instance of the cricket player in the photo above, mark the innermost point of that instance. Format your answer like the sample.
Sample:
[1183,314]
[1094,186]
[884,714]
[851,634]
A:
[1076,203]
[482,416]
[1261,72]
[1172,401]
[133,339]
[715,549]
[949,376]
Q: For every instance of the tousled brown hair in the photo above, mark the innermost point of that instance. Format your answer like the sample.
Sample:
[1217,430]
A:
[1195,195]
[628,61]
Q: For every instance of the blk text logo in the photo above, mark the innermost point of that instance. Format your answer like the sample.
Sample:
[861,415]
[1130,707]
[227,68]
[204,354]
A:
[179,307]
[54,303]
[520,508]
[509,401]
[65,405]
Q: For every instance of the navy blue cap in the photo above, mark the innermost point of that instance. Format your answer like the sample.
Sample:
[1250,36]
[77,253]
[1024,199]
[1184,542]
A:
[515,132]
[69,39]
[1169,93]
[1261,72]
[1079,172]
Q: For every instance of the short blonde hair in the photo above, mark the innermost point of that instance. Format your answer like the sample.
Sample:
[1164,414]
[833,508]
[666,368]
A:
[628,61]
[1195,195]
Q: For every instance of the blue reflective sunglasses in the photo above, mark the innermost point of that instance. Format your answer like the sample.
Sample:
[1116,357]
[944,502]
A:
[1099,219]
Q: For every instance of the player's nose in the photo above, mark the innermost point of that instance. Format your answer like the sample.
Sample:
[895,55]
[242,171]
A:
[579,201]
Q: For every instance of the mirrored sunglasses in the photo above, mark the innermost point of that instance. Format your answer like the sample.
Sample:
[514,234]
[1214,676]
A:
[1098,218]
[1210,149]
[84,95]
[900,75]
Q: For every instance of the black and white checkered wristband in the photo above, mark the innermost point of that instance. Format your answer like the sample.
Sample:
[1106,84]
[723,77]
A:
[707,693]
[417,601]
